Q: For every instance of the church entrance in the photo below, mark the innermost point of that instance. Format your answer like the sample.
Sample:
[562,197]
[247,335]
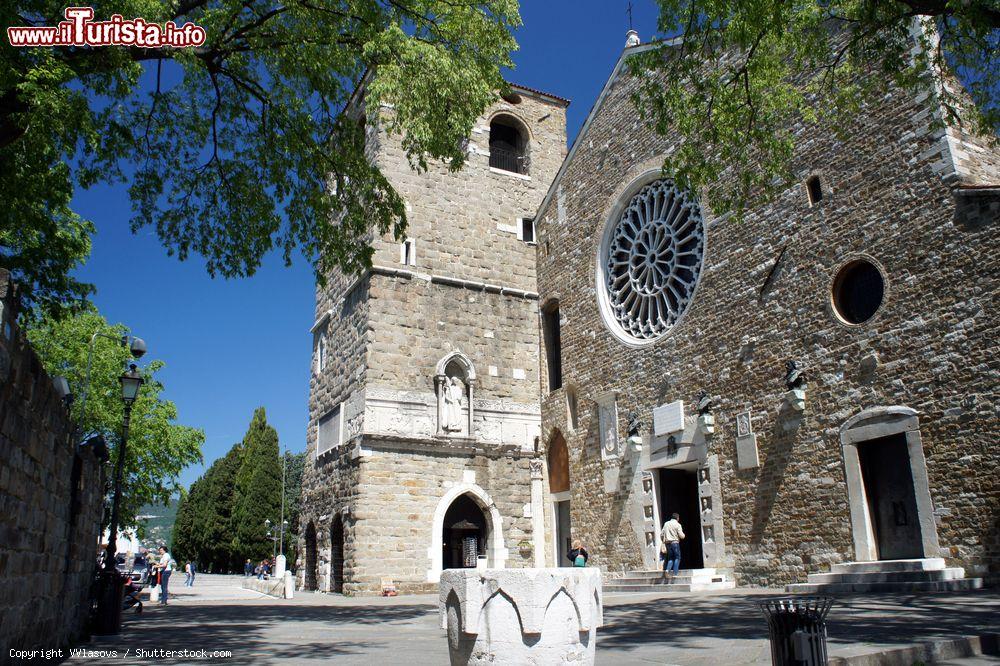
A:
[679,494]
[464,535]
[892,503]
[563,531]
[337,555]
[309,576]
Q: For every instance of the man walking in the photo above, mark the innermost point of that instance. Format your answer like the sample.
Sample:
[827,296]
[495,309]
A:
[671,535]
[248,569]
[166,567]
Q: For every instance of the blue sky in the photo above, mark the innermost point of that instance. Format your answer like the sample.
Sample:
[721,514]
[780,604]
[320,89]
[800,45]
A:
[233,345]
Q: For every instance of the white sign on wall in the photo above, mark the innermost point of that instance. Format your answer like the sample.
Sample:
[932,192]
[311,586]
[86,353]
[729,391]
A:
[668,418]
[607,404]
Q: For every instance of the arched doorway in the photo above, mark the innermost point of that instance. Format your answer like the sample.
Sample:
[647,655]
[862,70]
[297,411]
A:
[464,534]
[309,576]
[559,493]
[337,555]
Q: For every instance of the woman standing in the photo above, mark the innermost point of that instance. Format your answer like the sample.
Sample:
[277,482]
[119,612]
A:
[578,555]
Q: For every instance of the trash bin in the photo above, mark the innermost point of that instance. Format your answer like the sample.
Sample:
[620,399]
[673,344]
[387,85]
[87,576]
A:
[797,627]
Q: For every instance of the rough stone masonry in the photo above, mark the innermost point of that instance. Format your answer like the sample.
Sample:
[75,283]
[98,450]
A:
[896,429]
[424,411]
[50,501]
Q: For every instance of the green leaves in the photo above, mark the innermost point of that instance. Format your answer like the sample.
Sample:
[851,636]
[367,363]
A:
[257,495]
[221,521]
[158,448]
[237,149]
[742,77]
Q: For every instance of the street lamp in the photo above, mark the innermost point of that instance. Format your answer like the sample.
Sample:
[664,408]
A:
[110,605]
[273,538]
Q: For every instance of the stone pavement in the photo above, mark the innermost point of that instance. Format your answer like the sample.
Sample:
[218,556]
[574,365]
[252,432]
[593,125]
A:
[666,628]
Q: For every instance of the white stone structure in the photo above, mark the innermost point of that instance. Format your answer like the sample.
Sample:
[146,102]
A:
[521,616]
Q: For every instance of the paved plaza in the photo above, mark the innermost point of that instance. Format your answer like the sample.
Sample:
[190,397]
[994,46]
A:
[668,628]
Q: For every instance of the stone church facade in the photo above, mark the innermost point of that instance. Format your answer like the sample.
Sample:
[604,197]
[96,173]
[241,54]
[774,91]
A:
[812,384]
[424,402]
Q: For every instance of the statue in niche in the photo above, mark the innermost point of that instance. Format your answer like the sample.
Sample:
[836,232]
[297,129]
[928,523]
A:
[453,390]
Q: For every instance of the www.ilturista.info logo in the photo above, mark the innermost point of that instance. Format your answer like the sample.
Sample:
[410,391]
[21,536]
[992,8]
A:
[79,29]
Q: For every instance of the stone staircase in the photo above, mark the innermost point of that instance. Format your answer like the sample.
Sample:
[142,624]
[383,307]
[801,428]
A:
[922,575]
[687,580]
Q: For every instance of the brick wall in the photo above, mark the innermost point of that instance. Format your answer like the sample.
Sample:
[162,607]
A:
[931,346]
[50,502]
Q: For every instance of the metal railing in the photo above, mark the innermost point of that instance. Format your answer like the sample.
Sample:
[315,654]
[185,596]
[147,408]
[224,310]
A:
[508,160]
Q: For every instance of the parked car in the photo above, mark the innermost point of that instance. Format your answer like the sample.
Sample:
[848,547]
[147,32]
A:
[137,570]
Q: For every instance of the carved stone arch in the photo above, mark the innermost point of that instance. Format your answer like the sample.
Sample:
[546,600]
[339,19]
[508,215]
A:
[510,142]
[441,382]
[496,550]
[462,359]
[871,427]
[514,118]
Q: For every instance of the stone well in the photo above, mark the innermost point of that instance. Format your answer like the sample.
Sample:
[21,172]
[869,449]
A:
[521,616]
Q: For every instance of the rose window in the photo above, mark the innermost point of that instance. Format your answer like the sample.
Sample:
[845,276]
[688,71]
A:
[651,259]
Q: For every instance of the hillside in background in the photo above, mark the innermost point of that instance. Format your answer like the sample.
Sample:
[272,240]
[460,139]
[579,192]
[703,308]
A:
[158,522]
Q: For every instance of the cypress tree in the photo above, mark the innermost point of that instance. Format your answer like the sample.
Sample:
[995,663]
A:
[214,520]
[258,490]
[203,528]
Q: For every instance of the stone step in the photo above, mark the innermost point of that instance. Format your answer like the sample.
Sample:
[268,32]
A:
[959,585]
[682,572]
[949,573]
[686,580]
[885,566]
[669,587]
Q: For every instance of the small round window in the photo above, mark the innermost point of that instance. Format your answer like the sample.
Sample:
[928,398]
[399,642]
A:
[858,291]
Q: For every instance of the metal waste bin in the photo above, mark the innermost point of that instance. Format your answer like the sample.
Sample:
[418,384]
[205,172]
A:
[797,626]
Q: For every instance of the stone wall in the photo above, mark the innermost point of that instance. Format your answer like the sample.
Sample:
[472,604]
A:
[50,501]
[417,323]
[764,297]
[403,486]
[468,288]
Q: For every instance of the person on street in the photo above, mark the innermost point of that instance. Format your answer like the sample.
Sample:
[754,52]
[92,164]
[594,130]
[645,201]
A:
[248,569]
[165,566]
[671,535]
[187,575]
[194,570]
[578,555]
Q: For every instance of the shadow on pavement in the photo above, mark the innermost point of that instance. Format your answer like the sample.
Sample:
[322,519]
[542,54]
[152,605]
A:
[884,619]
[261,632]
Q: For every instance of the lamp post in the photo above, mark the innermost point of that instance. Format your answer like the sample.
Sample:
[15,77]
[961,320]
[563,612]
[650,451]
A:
[109,609]
[274,539]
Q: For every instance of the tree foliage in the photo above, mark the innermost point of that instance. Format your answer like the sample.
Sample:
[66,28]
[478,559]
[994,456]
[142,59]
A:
[220,524]
[203,531]
[240,147]
[740,76]
[158,448]
[258,490]
[295,465]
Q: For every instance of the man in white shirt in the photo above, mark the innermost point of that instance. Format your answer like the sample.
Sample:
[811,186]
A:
[166,567]
[671,534]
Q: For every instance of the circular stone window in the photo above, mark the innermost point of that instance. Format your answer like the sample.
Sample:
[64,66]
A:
[650,259]
[858,291]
